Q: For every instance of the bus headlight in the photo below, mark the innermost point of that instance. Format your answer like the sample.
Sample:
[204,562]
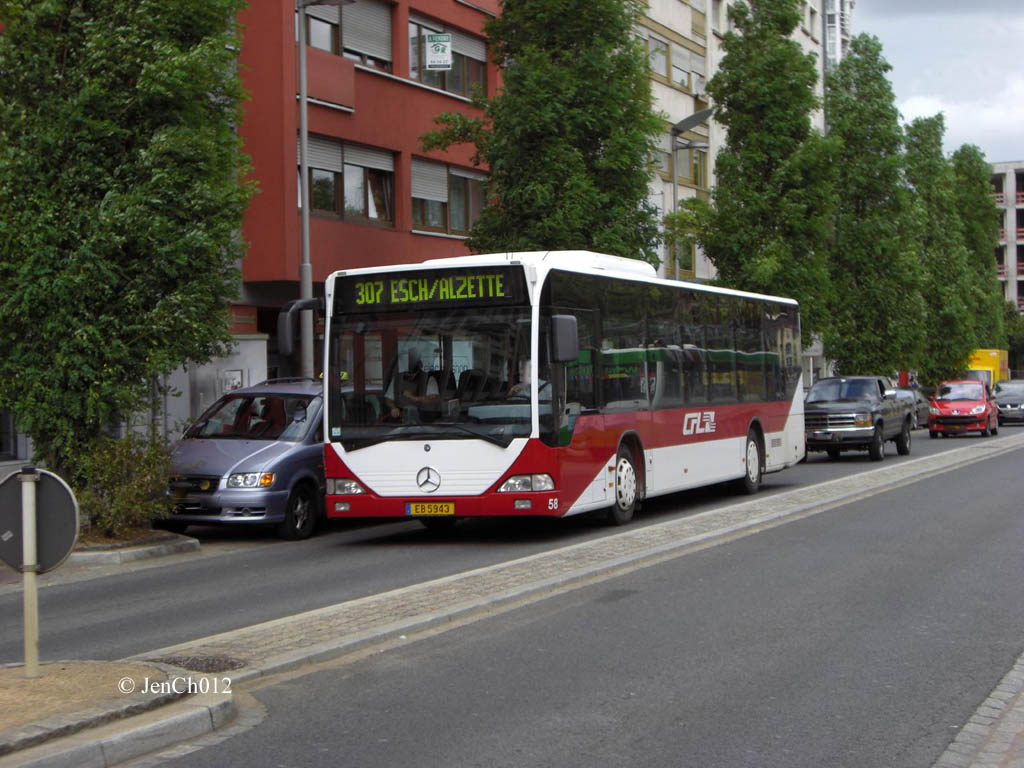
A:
[521,483]
[251,480]
[339,486]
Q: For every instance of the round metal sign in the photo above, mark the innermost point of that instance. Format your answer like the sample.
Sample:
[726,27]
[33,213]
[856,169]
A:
[56,521]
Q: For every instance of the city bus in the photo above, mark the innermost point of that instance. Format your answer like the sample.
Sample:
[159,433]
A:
[549,383]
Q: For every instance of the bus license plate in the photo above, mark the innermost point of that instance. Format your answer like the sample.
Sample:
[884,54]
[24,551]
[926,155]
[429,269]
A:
[430,509]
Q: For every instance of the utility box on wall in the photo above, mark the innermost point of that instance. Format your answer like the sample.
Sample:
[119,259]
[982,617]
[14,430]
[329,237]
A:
[196,388]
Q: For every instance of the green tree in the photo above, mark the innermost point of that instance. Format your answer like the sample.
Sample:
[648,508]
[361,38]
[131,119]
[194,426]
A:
[878,310]
[121,199]
[949,322]
[980,218]
[766,227]
[570,137]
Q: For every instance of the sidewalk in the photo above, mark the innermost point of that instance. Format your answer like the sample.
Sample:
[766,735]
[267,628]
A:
[993,737]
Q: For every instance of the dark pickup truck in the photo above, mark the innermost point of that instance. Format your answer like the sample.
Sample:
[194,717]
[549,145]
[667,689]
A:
[859,413]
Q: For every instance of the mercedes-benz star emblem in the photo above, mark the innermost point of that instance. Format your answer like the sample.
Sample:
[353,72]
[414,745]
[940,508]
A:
[428,479]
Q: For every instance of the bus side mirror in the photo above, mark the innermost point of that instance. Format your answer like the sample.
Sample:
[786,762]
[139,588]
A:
[565,340]
[286,323]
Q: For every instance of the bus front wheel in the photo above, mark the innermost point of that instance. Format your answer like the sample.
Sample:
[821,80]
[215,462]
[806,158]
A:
[626,488]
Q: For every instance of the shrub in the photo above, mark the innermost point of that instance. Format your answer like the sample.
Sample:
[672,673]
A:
[122,483]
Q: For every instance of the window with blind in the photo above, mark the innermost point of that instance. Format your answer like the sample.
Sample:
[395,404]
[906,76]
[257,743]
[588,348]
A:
[359,31]
[350,181]
[469,58]
[444,198]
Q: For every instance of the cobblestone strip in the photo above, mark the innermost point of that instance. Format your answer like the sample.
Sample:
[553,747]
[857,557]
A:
[319,634]
[994,736]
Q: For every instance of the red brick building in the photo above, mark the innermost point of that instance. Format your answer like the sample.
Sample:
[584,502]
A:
[376,197]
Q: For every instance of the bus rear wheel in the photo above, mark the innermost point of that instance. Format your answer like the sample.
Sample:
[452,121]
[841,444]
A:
[626,488]
[751,481]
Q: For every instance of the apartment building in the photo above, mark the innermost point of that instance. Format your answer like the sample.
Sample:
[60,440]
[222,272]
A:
[675,35]
[375,196]
[1008,192]
[838,26]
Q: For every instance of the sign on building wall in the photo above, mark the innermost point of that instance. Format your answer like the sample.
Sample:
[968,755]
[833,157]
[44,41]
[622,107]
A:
[439,52]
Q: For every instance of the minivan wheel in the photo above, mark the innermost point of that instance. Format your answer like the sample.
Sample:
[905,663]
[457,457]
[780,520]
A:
[300,517]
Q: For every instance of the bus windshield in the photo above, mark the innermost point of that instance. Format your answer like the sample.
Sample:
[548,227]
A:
[452,373]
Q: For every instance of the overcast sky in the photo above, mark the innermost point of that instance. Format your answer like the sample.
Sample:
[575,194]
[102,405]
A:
[964,58]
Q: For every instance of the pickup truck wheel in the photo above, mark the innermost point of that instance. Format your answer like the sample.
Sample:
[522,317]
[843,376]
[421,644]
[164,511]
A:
[876,450]
[833,453]
[903,441]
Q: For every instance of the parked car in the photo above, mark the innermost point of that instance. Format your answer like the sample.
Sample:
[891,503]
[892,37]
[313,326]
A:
[962,406]
[1009,400]
[919,406]
[843,413]
[255,457]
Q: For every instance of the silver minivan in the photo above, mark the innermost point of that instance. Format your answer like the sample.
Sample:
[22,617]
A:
[255,457]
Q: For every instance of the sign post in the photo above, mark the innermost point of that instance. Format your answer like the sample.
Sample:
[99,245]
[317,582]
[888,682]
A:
[35,539]
[30,568]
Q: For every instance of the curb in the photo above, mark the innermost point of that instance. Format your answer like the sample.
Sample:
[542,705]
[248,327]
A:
[130,554]
[117,742]
[61,726]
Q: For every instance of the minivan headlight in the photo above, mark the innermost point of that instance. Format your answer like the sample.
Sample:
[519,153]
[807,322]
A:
[251,480]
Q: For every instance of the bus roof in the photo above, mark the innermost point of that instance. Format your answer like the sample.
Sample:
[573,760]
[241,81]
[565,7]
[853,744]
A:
[572,261]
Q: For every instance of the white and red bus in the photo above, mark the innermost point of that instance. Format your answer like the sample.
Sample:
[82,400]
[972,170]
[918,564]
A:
[549,383]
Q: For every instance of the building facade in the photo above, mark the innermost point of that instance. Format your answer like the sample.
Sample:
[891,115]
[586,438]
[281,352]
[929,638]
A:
[675,35]
[838,26]
[1008,193]
[375,196]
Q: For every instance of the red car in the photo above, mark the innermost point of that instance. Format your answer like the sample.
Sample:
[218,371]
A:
[962,406]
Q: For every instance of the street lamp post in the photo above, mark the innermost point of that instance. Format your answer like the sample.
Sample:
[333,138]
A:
[305,265]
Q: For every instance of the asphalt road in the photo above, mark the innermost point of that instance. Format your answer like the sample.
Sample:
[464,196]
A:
[862,636]
[134,610]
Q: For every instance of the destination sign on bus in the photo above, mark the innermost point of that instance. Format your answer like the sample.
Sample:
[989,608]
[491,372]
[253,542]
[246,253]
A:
[433,288]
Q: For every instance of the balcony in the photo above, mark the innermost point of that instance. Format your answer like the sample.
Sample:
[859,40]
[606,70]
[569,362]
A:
[1020,269]
[1020,198]
[999,197]
[1001,271]
[1020,234]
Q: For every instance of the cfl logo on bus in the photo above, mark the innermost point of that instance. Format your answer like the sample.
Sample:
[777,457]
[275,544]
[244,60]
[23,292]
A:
[699,423]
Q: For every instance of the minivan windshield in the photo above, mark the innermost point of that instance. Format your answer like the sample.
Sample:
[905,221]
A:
[256,417]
